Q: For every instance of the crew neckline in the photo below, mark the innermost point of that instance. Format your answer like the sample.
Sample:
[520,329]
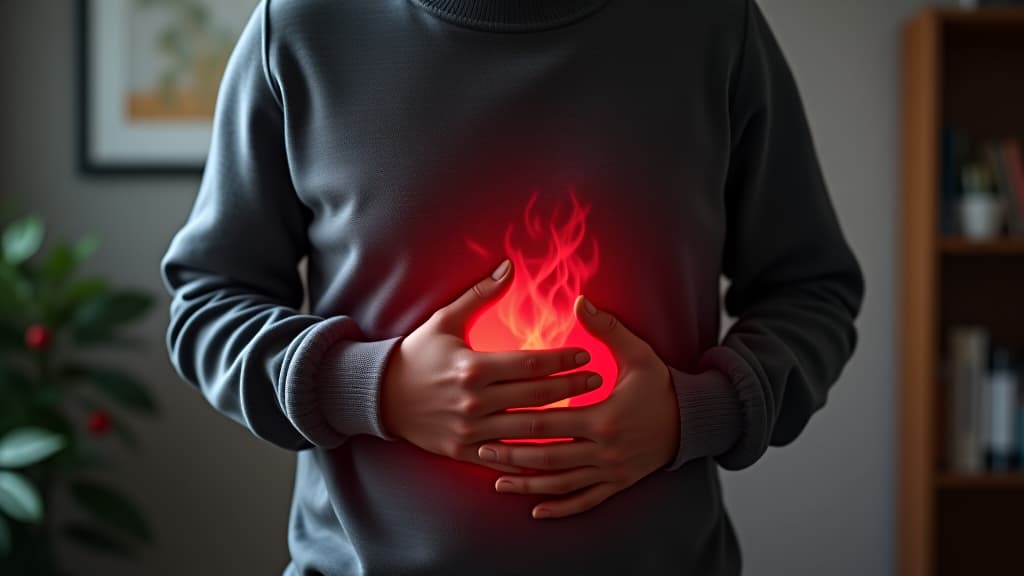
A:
[511,15]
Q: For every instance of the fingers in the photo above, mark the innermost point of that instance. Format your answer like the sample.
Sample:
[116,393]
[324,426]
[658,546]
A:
[455,317]
[482,370]
[514,365]
[557,456]
[589,487]
[576,504]
[607,328]
[499,467]
[471,454]
[537,393]
[538,424]
[562,483]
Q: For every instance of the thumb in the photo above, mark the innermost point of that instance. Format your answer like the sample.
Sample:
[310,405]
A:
[608,329]
[457,316]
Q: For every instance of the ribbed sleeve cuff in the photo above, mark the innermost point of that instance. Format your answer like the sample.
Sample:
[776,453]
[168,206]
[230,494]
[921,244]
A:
[709,415]
[333,383]
[754,427]
[349,386]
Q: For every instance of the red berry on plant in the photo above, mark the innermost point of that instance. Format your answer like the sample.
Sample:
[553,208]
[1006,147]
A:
[99,422]
[38,337]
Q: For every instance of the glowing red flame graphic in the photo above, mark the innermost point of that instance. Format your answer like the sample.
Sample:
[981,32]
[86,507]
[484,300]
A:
[549,282]
[553,259]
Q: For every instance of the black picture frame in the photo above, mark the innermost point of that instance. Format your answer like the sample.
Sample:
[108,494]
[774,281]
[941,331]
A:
[99,152]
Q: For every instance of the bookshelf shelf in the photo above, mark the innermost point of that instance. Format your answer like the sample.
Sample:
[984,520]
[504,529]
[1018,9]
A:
[997,15]
[1008,481]
[999,246]
[955,76]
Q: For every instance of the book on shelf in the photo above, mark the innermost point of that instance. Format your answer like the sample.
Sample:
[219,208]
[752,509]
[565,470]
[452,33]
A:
[996,163]
[968,351]
[1013,163]
[952,163]
[985,418]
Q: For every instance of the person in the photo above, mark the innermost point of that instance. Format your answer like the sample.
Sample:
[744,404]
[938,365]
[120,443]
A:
[401,147]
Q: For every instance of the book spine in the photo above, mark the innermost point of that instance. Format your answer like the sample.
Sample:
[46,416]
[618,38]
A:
[995,157]
[1013,160]
[950,181]
[966,432]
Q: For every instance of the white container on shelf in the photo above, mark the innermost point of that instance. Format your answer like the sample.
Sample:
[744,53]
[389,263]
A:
[1001,436]
[981,212]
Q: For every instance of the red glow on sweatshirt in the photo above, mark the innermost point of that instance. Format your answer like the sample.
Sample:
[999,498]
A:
[553,258]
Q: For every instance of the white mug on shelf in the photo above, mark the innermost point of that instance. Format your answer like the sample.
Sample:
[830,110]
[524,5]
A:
[981,216]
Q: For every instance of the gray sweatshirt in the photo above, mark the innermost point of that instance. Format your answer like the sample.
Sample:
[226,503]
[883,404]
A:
[394,143]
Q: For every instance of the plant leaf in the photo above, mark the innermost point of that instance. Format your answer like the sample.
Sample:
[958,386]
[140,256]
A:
[112,509]
[98,540]
[19,499]
[59,263]
[120,387]
[99,316]
[85,247]
[8,294]
[25,446]
[86,288]
[21,239]
[24,290]
[76,295]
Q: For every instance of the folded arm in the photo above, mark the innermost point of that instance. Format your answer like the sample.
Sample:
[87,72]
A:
[235,332]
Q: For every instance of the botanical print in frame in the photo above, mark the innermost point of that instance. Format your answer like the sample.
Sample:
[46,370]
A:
[150,71]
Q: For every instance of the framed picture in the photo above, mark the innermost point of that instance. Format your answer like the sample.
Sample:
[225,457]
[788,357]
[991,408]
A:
[149,75]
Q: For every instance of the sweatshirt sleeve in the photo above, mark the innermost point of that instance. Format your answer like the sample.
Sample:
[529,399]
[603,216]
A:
[795,286]
[235,332]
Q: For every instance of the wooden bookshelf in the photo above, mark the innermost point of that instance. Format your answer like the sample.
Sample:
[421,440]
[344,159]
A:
[960,68]
[1007,481]
[999,246]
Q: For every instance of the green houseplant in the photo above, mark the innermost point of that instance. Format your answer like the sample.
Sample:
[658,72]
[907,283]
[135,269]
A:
[60,407]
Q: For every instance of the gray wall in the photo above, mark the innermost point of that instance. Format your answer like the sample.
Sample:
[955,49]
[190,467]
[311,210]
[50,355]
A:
[825,504]
[218,496]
